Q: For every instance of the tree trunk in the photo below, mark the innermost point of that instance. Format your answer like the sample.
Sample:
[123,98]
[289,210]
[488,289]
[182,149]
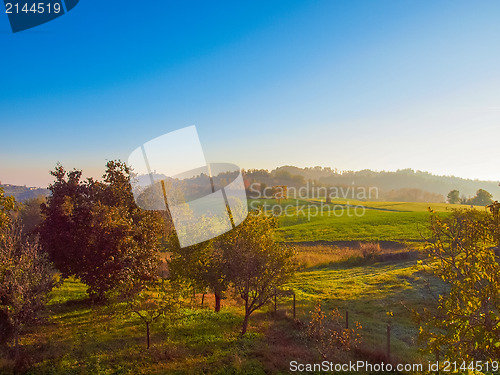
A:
[245,320]
[245,324]
[217,302]
[16,342]
[147,333]
[202,298]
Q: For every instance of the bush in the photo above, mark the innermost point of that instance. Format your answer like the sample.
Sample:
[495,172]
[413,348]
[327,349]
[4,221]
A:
[328,332]
[463,323]
[370,250]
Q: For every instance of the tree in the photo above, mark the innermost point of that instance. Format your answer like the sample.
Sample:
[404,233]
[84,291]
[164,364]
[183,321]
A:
[482,198]
[159,299]
[203,265]
[26,278]
[466,322]
[454,197]
[30,214]
[263,188]
[7,204]
[258,265]
[94,230]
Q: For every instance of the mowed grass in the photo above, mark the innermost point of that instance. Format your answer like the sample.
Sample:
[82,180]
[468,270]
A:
[314,220]
[80,338]
[369,293]
[372,226]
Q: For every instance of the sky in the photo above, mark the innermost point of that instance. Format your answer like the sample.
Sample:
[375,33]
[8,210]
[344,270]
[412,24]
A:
[374,84]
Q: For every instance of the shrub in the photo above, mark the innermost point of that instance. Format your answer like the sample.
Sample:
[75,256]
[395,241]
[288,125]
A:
[328,332]
[370,250]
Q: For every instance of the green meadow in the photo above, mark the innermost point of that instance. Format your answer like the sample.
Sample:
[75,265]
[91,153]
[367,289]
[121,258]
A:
[313,220]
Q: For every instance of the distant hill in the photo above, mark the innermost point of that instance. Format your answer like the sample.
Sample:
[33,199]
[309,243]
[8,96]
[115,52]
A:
[22,193]
[388,183]
[401,185]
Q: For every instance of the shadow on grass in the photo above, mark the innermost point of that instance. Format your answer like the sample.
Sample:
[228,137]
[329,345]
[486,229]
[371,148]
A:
[71,305]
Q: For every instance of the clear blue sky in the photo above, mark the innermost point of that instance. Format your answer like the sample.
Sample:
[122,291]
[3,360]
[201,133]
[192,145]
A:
[351,84]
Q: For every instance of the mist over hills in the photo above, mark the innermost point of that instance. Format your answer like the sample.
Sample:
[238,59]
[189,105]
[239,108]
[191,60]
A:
[401,185]
[388,183]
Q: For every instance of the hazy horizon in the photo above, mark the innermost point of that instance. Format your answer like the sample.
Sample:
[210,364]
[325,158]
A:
[98,174]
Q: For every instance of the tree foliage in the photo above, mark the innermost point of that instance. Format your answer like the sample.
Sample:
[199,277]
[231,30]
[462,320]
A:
[246,259]
[160,299]
[482,198]
[258,264]
[204,266]
[329,334]
[94,230]
[29,213]
[466,323]
[454,197]
[26,278]
[7,204]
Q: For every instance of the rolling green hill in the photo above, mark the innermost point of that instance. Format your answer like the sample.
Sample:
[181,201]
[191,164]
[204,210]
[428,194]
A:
[312,220]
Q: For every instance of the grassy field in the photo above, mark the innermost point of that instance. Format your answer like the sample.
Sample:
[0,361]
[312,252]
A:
[312,220]
[369,293]
[79,338]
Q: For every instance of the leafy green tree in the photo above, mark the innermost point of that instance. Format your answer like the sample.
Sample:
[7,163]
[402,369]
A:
[30,214]
[466,322]
[159,299]
[7,204]
[26,278]
[94,230]
[258,264]
[482,198]
[454,197]
[203,265]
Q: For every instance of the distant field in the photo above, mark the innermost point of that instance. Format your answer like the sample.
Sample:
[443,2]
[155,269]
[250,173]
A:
[313,220]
